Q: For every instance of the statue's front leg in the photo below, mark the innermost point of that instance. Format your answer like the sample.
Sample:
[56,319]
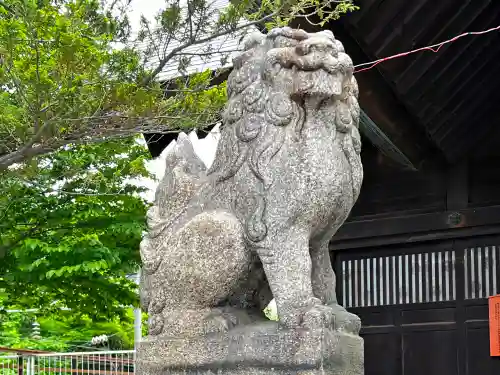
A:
[287,264]
[323,277]
[324,284]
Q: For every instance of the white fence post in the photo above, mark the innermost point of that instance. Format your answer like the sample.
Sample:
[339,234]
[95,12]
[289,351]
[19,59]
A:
[9,364]
[117,362]
[30,365]
[137,318]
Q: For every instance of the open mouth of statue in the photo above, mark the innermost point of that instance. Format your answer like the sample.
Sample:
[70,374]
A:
[318,83]
[314,71]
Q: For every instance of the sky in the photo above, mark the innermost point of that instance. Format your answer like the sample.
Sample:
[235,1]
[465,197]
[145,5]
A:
[148,8]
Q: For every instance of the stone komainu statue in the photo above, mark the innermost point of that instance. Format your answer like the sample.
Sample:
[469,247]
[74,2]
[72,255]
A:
[256,225]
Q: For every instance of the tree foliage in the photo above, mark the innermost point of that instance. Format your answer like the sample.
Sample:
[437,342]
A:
[64,79]
[70,229]
[70,226]
[64,331]
[59,74]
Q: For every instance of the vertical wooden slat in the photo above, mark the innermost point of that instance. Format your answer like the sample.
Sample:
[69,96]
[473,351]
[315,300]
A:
[350,289]
[420,278]
[447,273]
[454,275]
[480,281]
[433,277]
[387,281]
[359,286]
[371,290]
[413,272]
[394,285]
[466,273]
[356,283]
[487,269]
[381,281]
[439,280]
[400,279]
[473,268]
[374,293]
[427,278]
[406,279]
[365,283]
[345,281]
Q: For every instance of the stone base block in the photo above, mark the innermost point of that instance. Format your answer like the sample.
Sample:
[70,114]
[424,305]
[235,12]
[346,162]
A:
[254,350]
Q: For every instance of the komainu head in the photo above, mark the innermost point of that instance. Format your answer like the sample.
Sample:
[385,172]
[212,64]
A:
[294,63]
[285,74]
[281,81]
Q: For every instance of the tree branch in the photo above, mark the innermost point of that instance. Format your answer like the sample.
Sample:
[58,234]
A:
[97,128]
[207,53]
[176,50]
[102,134]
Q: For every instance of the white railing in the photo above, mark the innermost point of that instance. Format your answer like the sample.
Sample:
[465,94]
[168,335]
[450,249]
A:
[9,364]
[81,363]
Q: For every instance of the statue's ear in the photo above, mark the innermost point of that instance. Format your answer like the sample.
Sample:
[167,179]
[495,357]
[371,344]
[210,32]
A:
[187,156]
[252,40]
[184,145]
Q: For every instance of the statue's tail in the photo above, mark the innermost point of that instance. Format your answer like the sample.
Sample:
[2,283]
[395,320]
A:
[183,171]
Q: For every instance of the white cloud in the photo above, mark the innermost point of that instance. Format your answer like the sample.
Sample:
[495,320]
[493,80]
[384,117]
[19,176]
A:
[147,8]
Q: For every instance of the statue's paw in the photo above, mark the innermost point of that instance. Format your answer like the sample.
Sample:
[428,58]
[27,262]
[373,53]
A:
[318,316]
[155,324]
[218,322]
[344,321]
[311,314]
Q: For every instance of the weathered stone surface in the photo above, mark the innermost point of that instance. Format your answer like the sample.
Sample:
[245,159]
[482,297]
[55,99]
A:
[259,349]
[256,225]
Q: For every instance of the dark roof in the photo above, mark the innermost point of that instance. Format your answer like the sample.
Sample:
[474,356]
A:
[452,94]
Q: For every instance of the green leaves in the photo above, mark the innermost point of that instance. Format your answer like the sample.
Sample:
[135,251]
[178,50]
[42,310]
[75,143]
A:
[170,18]
[67,81]
[70,227]
[59,70]
[64,331]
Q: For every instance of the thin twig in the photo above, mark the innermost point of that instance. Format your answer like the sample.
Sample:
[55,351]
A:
[176,50]
[207,53]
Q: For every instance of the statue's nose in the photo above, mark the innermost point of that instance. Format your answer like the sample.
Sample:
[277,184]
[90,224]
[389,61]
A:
[316,44]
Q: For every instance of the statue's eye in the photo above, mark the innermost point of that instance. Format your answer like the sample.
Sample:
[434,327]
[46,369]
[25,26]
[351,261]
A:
[282,42]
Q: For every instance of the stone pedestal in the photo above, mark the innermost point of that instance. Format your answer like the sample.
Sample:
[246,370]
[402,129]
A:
[254,350]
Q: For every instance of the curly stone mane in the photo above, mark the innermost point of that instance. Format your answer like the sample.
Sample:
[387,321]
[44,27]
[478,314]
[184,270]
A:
[264,106]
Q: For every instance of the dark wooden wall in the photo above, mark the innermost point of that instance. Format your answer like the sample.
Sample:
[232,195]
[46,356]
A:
[484,182]
[418,259]
[439,201]
[424,307]
[388,188]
